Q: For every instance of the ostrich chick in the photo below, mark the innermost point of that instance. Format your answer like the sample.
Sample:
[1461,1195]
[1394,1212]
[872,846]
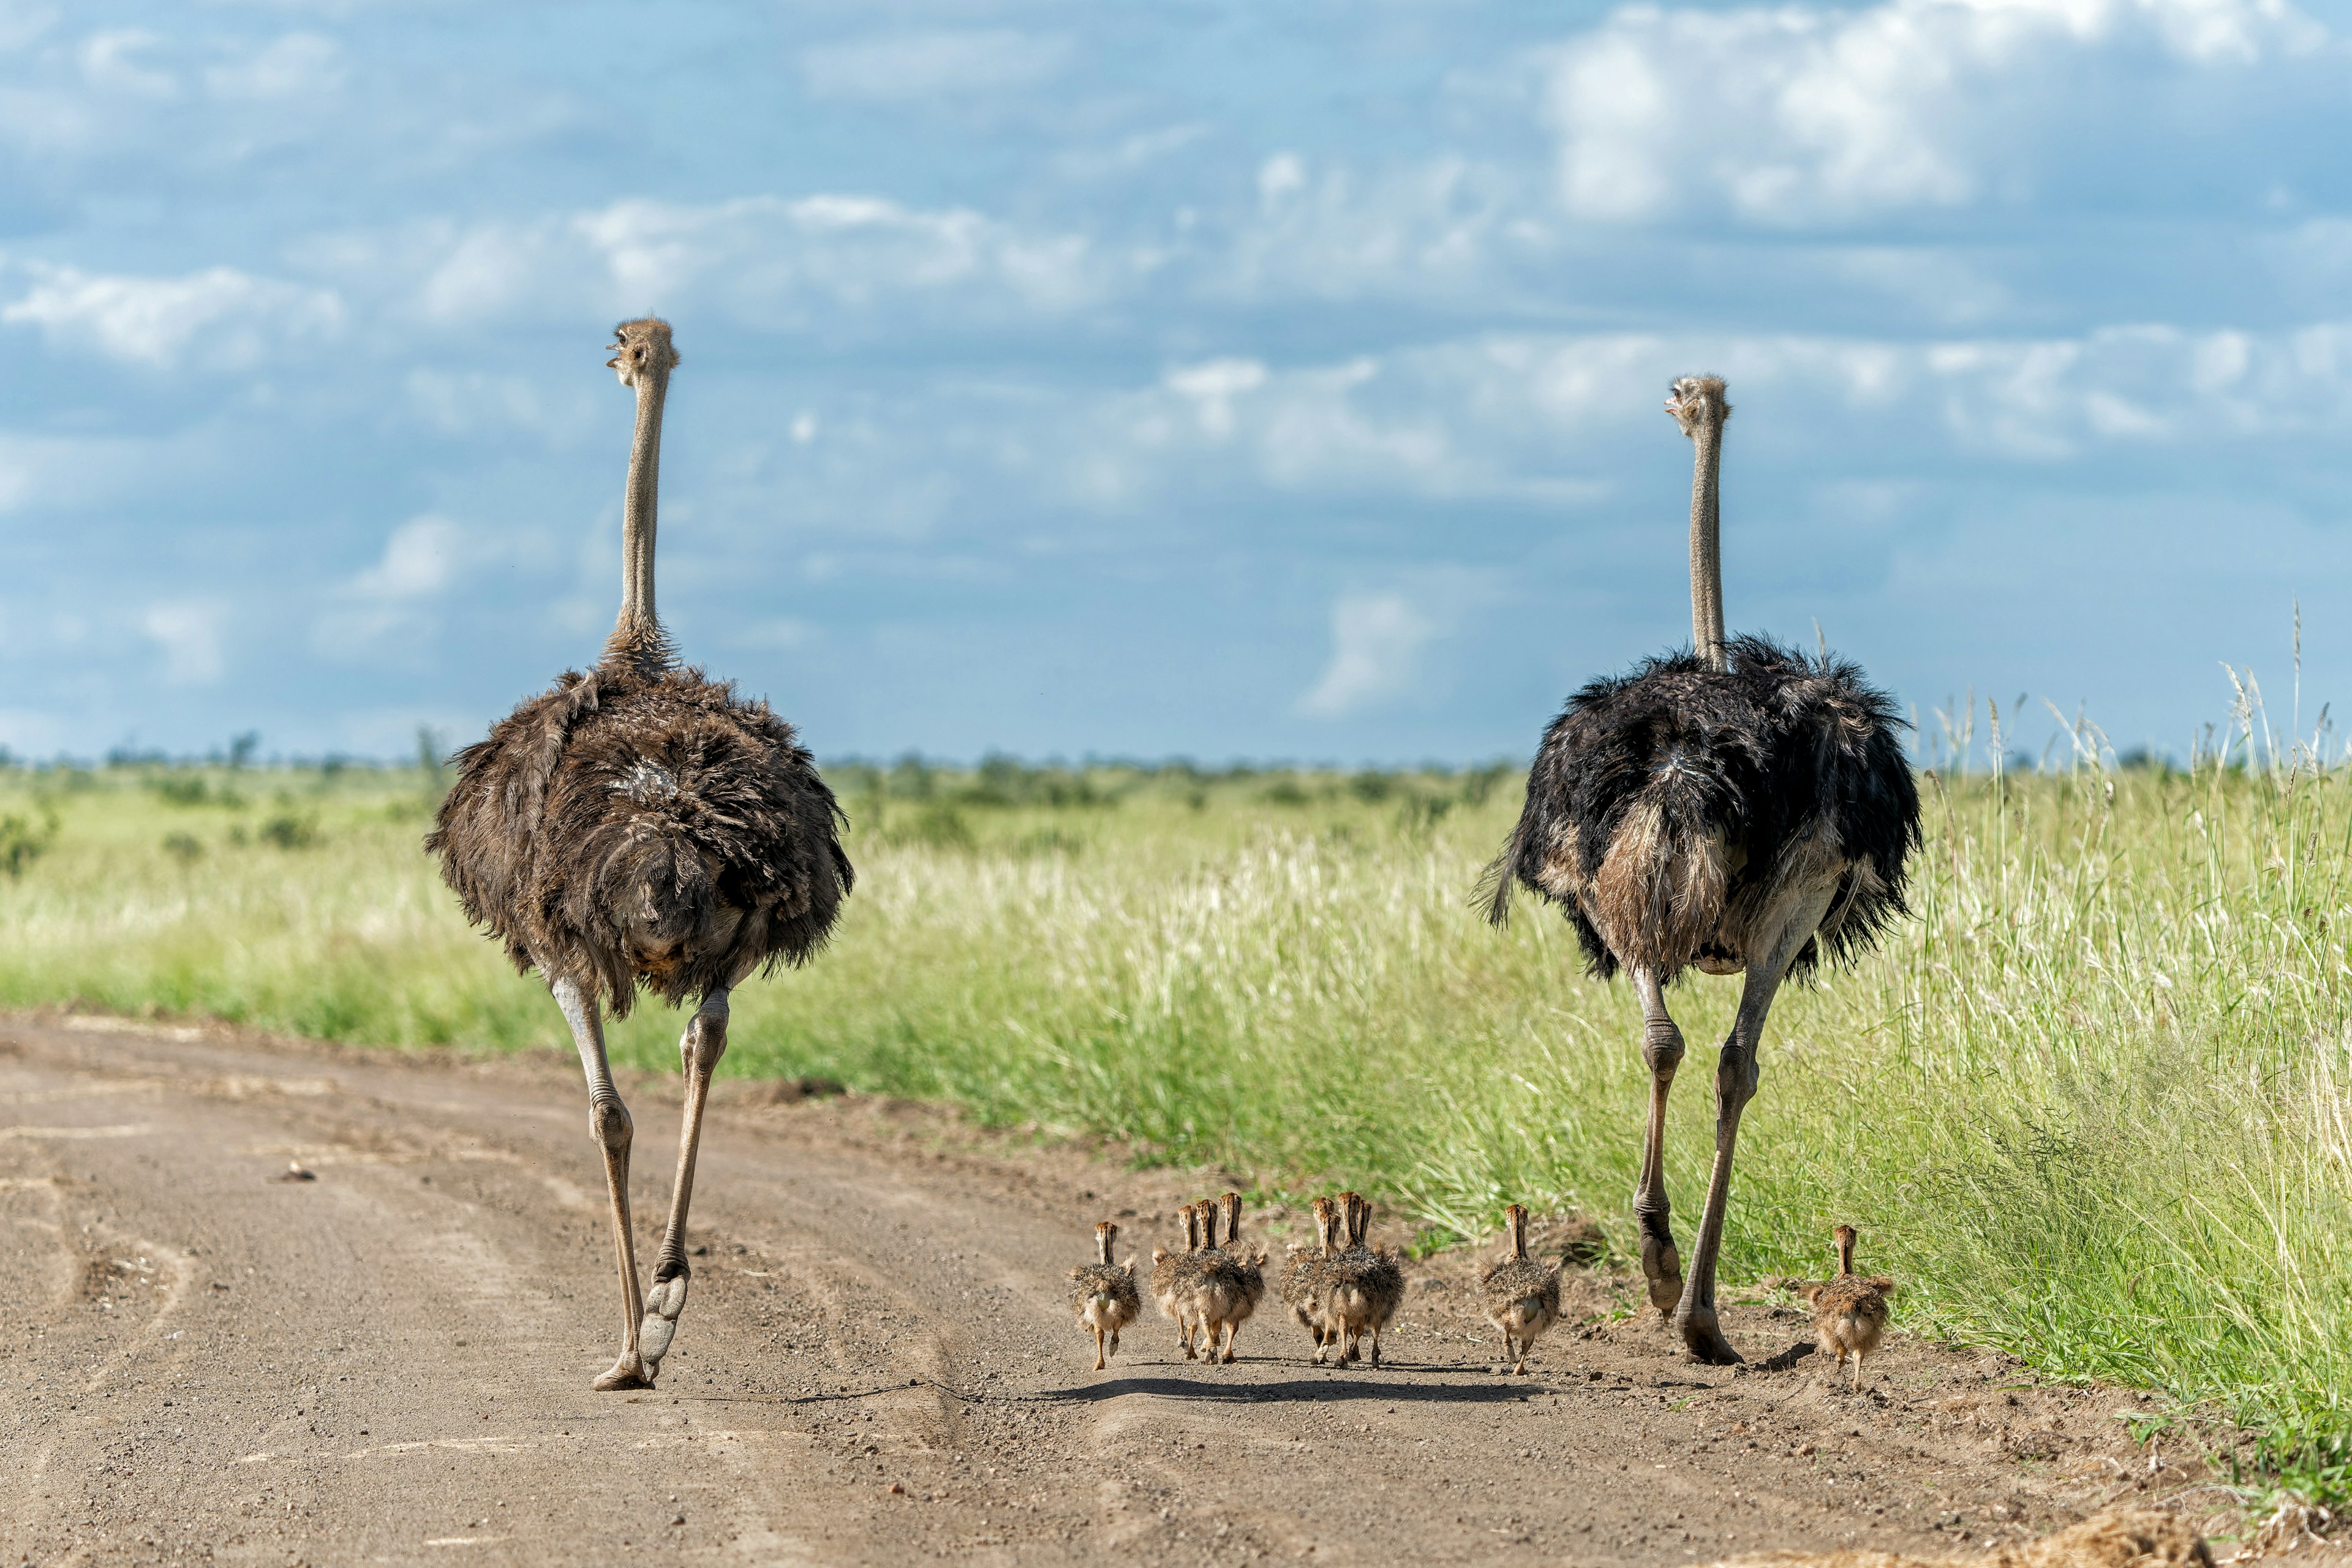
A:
[1103,1293]
[1849,1311]
[1304,1284]
[1171,1277]
[1365,1287]
[1522,1296]
[1230,1283]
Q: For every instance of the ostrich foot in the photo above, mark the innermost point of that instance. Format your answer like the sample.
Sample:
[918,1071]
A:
[663,1302]
[1705,1341]
[628,1373]
[1663,1267]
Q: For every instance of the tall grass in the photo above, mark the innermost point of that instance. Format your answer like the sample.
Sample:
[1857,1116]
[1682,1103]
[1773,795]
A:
[2093,1103]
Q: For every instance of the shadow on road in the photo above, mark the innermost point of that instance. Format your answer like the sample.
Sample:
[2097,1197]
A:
[1302,1391]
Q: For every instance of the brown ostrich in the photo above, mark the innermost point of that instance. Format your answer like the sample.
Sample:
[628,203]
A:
[643,825]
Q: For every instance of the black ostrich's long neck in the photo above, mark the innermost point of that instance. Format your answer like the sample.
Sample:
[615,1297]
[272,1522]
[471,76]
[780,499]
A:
[1706,543]
[637,639]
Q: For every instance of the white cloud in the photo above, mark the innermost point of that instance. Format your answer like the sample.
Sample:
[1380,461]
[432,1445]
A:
[772,261]
[1543,418]
[1799,114]
[418,559]
[295,66]
[392,602]
[112,61]
[1376,640]
[1212,387]
[154,320]
[188,632]
[912,68]
[1281,175]
[1447,227]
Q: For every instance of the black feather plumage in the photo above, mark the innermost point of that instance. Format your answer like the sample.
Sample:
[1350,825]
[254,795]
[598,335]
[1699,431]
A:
[1753,759]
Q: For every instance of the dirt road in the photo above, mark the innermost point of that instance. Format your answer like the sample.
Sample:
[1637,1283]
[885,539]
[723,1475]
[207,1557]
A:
[390,1363]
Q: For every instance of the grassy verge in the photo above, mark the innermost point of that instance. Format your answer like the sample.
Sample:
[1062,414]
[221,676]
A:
[2094,1104]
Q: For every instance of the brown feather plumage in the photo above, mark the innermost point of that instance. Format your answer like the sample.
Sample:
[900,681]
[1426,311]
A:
[632,828]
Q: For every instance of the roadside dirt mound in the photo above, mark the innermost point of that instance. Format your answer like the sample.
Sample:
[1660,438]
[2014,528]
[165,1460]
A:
[2114,1538]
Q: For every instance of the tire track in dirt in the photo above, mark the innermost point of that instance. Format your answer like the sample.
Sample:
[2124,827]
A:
[391,1362]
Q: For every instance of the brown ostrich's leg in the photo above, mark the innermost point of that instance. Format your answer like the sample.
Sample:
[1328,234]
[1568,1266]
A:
[1735,1086]
[699,1050]
[608,1123]
[1662,1049]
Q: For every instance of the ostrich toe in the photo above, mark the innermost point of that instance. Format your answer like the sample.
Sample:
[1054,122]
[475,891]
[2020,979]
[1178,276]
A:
[1704,1338]
[663,1303]
[629,1371]
[1663,1267]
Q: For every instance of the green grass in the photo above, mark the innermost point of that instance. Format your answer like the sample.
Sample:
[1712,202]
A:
[2094,1104]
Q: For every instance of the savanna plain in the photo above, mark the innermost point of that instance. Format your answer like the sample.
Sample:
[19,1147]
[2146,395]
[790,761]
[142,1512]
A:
[2092,1103]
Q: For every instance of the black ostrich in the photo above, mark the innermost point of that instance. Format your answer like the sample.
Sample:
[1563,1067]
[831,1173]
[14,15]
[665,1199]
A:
[641,824]
[1738,809]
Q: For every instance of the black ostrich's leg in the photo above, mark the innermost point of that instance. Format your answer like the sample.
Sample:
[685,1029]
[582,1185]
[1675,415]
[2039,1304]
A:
[608,1123]
[1735,1086]
[699,1050]
[1662,1049]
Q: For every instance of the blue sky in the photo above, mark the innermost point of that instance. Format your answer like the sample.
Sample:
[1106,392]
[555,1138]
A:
[1225,380]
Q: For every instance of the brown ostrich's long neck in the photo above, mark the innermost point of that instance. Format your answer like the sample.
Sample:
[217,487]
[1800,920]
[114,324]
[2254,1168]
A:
[1846,1255]
[1706,543]
[637,639]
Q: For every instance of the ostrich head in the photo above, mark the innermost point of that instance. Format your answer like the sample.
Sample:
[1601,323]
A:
[1106,1237]
[1696,403]
[641,346]
[1844,1237]
[1515,1220]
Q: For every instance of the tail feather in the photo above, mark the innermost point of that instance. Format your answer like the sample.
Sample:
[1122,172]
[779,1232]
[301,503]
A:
[1493,889]
[1659,894]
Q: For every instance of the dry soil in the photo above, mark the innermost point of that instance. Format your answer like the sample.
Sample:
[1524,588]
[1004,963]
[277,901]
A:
[391,1361]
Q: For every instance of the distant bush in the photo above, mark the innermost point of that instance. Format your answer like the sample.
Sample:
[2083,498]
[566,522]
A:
[936,826]
[1478,784]
[180,789]
[1419,816]
[1048,841]
[289,831]
[183,847]
[23,841]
